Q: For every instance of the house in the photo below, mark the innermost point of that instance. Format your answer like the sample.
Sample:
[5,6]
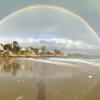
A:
[1,48]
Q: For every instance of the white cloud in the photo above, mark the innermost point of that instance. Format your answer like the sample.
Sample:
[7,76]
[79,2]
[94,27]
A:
[64,43]
[54,42]
[18,39]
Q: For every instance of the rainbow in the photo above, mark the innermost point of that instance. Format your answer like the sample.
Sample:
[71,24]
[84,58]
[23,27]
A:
[53,7]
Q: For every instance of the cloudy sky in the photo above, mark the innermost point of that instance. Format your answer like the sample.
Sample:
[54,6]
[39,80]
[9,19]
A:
[44,26]
[88,9]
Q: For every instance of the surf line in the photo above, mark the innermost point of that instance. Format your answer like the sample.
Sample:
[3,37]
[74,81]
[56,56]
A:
[78,60]
[52,62]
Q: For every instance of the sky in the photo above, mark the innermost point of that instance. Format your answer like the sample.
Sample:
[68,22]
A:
[87,9]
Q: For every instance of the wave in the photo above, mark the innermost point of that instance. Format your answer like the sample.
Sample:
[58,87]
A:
[93,62]
[68,61]
[51,62]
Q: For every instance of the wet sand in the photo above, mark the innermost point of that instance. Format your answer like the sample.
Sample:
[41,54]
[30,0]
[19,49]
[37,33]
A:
[27,79]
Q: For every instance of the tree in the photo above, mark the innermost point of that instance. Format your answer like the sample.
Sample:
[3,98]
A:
[15,44]
[8,46]
[58,52]
[36,51]
[16,47]
[44,49]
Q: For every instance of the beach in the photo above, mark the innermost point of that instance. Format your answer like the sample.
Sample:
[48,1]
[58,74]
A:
[47,79]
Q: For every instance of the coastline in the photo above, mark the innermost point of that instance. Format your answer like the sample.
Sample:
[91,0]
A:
[35,56]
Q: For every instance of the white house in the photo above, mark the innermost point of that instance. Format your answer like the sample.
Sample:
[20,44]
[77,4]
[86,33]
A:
[1,47]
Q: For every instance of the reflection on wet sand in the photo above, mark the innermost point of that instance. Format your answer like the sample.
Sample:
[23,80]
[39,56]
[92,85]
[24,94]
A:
[9,65]
[41,91]
[31,80]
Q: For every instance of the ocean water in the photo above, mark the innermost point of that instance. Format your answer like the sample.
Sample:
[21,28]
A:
[91,60]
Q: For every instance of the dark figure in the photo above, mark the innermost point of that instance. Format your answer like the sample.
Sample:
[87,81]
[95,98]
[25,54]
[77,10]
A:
[41,91]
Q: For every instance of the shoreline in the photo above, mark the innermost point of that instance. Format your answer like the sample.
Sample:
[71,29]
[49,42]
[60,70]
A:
[43,56]
[37,56]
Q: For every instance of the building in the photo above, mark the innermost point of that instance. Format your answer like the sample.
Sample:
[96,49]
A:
[1,48]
